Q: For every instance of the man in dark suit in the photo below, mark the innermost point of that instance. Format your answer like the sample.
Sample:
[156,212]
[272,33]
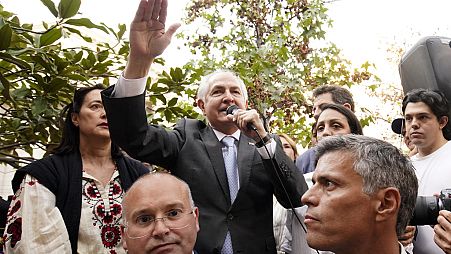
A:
[232,185]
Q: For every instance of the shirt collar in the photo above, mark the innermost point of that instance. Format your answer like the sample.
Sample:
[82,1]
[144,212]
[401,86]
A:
[221,135]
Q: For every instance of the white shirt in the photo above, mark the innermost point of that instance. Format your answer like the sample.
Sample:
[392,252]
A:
[434,174]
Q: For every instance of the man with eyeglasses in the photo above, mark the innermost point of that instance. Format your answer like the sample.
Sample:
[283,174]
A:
[159,216]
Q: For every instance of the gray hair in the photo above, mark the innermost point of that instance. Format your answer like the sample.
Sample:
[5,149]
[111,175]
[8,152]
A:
[380,165]
[154,175]
[208,80]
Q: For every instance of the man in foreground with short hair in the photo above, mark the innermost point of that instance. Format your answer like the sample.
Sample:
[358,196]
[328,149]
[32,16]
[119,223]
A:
[363,196]
[159,216]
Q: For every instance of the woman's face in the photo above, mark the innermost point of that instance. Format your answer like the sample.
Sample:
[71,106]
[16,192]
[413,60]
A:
[287,148]
[91,120]
[331,123]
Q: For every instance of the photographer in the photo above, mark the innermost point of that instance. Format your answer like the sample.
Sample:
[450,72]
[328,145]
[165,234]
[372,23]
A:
[427,125]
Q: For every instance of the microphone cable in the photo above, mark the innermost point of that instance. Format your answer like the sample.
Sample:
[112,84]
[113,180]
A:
[283,186]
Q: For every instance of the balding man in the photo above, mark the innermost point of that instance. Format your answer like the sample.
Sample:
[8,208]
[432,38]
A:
[160,216]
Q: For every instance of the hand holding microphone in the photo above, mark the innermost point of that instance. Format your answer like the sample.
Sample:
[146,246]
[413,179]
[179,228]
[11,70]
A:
[231,111]
[249,122]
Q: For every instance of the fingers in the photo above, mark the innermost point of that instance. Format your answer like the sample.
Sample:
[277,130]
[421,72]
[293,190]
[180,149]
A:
[407,238]
[149,10]
[442,239]
[243,117]
[140,11]
[156,9]
[443,231]
[172,29]
[163,11]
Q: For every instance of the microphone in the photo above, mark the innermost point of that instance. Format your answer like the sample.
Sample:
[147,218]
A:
[232,109]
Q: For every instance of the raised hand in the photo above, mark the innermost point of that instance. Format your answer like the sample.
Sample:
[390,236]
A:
[148,38]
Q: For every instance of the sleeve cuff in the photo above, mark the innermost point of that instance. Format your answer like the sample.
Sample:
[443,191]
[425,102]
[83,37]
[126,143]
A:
[129,87]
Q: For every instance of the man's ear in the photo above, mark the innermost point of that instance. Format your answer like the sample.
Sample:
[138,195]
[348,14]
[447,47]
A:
[124,243]
[387,205]
[443,121]
[348,106]
[201,105]
[196,213]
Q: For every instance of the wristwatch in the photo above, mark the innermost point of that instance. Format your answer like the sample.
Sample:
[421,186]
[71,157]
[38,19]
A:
[265,140]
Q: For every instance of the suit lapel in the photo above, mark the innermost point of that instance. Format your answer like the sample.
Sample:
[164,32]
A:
[246,150]
[214,150]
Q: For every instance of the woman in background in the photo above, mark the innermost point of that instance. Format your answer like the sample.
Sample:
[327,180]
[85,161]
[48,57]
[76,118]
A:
[71,200]
[279,212]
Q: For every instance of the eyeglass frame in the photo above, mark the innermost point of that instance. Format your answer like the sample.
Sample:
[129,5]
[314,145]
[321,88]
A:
[153,222]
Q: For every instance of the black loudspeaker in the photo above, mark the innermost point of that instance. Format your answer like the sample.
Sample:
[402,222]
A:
[428,65]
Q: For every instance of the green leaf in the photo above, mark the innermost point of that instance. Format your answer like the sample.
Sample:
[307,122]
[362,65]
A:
[102,55]
[5,83]
[77,57]
[14,60]
[38,106]
[50,37]
[176,74]
[51,6]
[56,84]
[121,32]
[86,23]
[73,30]
[172,102]
[68,8]
[5,37]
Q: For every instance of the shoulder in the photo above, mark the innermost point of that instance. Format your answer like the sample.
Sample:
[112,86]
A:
[135,165]
[46,170]
[191,123]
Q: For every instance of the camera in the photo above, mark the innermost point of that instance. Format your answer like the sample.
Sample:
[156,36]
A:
[427,208]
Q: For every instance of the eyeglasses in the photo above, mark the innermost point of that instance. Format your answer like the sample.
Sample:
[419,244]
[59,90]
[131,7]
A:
[143,225]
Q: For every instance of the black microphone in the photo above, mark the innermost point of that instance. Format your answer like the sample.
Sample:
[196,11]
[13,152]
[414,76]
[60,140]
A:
[232,109]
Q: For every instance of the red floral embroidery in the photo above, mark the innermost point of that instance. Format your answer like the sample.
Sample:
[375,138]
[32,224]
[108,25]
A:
[15,230]
[14,209]
[116,209]
[113,252]
[108,219]
[100,210]
[111,235]
[91,192]
[116,189]
[31,183]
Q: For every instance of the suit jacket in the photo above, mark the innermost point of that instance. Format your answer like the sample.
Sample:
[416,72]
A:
[192,152]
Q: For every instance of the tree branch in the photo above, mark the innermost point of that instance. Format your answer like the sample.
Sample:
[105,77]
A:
[17,144]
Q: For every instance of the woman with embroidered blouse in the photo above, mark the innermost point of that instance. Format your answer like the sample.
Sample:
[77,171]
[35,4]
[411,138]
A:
[71,200]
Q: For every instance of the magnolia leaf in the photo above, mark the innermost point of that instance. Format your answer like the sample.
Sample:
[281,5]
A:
[86,23]
[50,37]
[5,37]
[51,6]
[68,8]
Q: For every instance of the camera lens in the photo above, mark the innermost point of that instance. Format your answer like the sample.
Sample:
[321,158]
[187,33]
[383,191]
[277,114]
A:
[426,211]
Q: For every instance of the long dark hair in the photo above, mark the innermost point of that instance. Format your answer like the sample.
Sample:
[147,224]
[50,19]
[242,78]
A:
[70,140]
[354,123]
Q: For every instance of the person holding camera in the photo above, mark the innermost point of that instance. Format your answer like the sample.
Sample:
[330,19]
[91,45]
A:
[443,231]
[426,114]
